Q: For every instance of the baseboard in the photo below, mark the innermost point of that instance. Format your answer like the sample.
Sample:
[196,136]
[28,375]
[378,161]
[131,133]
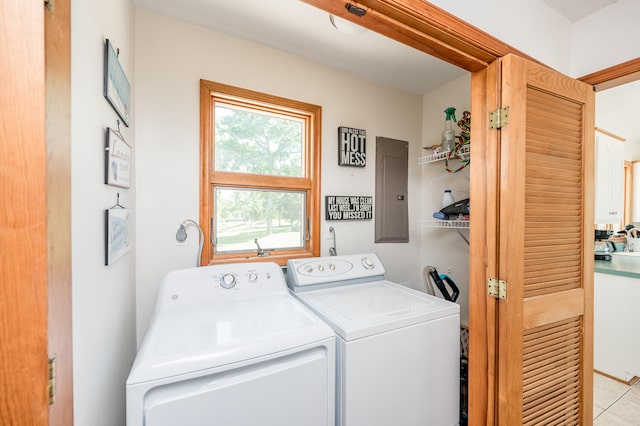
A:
[631,382]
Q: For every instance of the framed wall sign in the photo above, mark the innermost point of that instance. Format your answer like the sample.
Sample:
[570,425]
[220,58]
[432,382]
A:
[117,160]
[343,207]
[117,241]
[352,147]
[116,86]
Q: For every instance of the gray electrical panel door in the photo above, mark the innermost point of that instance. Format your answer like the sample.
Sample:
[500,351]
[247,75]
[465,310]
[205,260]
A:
[392,212]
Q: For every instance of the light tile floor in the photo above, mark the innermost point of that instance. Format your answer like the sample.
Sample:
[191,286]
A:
[615,403]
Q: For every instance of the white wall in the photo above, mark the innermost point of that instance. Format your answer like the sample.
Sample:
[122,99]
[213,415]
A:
[104,343]
[530,26]
[605,38]
[171,58]
[600,40]
[444,249]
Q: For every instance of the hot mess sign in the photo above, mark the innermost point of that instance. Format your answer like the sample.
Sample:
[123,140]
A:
[352,144]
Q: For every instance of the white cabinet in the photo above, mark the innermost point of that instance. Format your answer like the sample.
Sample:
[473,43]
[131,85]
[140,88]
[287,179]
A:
[609,179]
[616,326]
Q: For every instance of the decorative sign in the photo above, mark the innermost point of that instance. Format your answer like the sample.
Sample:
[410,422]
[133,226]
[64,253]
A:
[116,86]
[352,147]
[117,160]
[348,207]
[117,241]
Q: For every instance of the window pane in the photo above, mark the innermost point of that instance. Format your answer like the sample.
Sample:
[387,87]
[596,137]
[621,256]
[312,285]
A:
[256,142]
[274,218]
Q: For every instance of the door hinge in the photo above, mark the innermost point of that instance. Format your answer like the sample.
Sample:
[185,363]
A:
[497,288]
[52,379]
[499,118]
[49,5]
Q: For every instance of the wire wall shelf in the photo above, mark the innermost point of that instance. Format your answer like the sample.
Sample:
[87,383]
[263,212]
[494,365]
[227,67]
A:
[439,156]
[436,223]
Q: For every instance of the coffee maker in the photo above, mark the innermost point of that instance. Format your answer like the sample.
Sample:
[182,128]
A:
[603,248]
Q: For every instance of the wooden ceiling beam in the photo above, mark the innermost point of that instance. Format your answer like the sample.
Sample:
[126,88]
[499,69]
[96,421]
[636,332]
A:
[425,27]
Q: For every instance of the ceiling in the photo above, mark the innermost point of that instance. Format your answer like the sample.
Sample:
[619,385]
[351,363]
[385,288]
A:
[574,10]
[306,31]
[295,27]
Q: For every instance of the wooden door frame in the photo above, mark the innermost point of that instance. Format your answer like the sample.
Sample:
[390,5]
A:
[57,27]
[438,33]
[613,76]
[35,227]
[23,227]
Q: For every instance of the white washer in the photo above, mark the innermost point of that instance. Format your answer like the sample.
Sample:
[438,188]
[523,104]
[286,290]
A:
[229,345]
[398,348]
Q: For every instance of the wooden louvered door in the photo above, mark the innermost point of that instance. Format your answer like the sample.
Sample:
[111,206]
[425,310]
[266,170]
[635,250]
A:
[545,245]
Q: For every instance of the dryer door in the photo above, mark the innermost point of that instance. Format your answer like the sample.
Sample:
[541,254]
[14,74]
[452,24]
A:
[291,390]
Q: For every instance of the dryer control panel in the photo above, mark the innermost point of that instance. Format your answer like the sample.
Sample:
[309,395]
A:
[219,283]
[332,271]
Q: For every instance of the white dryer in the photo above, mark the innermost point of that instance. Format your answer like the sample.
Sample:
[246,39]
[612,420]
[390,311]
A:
[398,348]
[228,345]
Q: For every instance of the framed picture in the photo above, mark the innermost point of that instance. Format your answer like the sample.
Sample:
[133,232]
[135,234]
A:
[352,147]
[351,207]
[117,242]
[116,86]
[117,160]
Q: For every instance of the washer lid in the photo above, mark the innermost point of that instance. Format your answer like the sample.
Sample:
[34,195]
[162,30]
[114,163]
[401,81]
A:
[362,310]
[189,340]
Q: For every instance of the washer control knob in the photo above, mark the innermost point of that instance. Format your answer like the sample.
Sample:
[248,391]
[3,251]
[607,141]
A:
[332,266]
[320,268]
[253,277]
[309,269]
[228,281]
[367,263]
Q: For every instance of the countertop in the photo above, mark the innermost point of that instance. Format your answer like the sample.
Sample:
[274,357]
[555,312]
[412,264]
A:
[621,264]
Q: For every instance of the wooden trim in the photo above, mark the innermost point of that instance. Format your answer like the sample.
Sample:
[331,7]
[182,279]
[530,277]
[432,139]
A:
[58,141]
[23,216]
[511,242]
[483,260]
[540,310]
[310,183]
[613,76]
[206,126]
[613,135]
[315,174]
[249,180]
[427,28]
[588,153]
[633,381]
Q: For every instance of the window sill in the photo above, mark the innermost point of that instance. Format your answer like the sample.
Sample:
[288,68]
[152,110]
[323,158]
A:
[280,259]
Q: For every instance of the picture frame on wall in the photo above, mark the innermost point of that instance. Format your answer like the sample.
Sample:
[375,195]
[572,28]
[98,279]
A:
[117,160]
[117,239]
[116,86]
[352,147]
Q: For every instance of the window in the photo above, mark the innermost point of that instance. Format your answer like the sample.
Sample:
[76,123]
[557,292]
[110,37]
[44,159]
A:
[260,171]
